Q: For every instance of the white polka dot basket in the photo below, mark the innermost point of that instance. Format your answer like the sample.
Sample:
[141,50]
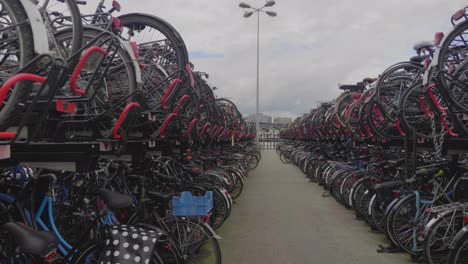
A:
[128,244]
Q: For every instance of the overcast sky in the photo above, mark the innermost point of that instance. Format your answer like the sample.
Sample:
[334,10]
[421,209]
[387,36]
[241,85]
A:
[310,47]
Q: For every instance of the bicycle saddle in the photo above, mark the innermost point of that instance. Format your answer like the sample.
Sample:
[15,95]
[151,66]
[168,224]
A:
[161,197]
[115,200]
[418,59]
[369,80]
[31,241]
[429,172]
[423,45]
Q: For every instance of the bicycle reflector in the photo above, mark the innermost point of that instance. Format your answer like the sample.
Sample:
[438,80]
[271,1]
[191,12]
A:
[465,218]
[421,236]
[116,24]
[438,38]
[116,6]
[134,46]
[206,218]
[427,63]
[459,14]
[51,256]
[396,194]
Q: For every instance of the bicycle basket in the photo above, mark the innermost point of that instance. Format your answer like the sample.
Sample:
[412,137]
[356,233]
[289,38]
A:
[127,244]
[188,205]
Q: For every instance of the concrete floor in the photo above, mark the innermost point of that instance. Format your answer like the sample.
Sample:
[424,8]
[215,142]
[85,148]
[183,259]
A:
[282,218]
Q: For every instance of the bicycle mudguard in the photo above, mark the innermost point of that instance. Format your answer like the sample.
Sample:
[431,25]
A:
[126,45]
[374,197]
[458,237]
[431,223]
[212,231]
[39,31]
[391,205]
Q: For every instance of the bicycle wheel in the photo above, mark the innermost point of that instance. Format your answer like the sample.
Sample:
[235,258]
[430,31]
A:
[438,238]
[17,49]
[238,187]
[359,191]
[407,222]
[284,158]
[195,242]
[254,161]
[159,44]
[106,99]
[459,254]
[60,15]
[90,254]
[377,213]
[413,106]
[220,210]
[452,66]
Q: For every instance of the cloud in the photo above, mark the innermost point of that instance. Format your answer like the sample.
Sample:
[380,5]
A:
[306,50]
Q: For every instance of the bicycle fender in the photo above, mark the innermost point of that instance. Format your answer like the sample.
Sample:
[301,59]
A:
[126,45]
[429,225]
[39,31]
[458,237]
[212,231]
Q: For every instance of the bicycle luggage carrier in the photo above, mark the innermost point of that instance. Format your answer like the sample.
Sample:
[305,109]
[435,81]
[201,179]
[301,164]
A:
[449,207]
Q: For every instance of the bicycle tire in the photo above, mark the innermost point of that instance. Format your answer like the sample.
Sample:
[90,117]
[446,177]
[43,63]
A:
[445,55]
[439,255]
[75,25]
[185,250]
[12,107]
[460,251]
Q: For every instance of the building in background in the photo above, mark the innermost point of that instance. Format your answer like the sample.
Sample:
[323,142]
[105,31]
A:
[268,123]
[263,118]
[283,120]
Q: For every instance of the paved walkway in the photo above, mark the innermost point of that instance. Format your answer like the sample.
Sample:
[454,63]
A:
[281,218]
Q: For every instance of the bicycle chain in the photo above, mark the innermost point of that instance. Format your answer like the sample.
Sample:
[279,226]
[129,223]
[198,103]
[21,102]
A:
[438,141]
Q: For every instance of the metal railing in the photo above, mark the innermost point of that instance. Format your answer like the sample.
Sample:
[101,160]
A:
[269,140]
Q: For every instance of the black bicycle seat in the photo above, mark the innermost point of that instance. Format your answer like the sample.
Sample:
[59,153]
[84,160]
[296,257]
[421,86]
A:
[161,197]
[418,59]
[38,243]
[138,178]
[369,80]
[423,45]
[396,162]
[429,172]
[115,200]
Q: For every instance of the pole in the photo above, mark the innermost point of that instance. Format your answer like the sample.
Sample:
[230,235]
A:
[258,80]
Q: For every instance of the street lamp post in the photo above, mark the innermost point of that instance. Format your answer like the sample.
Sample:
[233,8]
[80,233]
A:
[247,14]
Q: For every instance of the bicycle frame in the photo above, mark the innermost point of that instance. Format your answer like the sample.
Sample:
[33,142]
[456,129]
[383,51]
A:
[64,247]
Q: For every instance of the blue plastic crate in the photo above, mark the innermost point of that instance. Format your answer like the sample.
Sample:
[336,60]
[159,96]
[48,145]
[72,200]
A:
[188,205]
